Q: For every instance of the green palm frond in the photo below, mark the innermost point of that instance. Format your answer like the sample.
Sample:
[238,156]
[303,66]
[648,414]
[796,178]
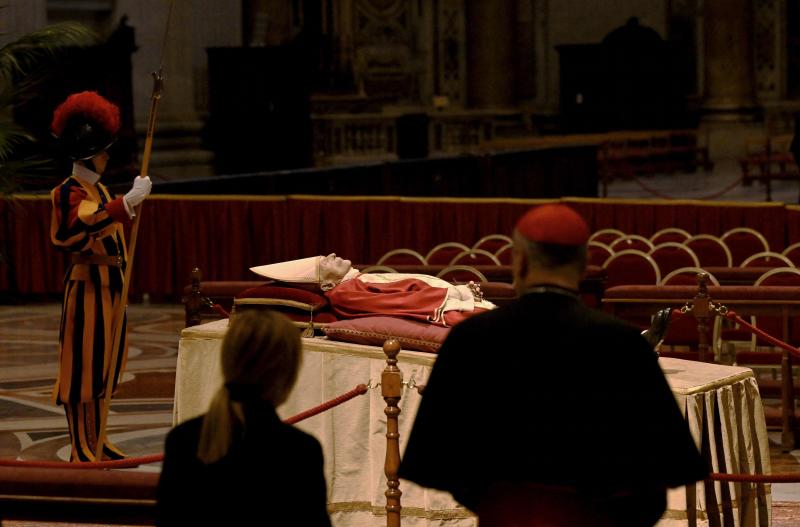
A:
[29,52]
[30,171]
[25,66]
[11,136]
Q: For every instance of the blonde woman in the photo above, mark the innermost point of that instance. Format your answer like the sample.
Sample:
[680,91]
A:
[239,464]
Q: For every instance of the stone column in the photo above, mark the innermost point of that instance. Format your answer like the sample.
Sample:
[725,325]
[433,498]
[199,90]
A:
[525,46]
[149,18]
[729,74]
[490,53]
[195,25]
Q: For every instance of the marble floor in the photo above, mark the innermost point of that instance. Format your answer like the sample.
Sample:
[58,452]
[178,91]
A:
[33,428]
[718,184]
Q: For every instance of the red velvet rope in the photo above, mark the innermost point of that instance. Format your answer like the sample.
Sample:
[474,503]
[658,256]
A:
[766,336]
[219,310]
[715,195]
[361,389]
[130,462]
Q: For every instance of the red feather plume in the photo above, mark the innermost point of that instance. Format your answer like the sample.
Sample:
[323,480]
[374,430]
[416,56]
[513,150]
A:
[91,104]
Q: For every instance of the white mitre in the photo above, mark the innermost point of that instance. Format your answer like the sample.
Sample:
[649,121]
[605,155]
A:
[304,270]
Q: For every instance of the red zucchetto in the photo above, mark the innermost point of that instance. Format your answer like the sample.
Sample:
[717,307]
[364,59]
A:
[553,223]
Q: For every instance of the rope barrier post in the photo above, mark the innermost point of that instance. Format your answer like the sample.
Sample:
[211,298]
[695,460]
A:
[787,418]
[787,390]
[119,314]
[392,390]
[787,403]
[194,301]
[701,310]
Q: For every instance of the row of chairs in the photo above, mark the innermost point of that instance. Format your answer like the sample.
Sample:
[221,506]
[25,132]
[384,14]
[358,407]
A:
[733,248]
[634,267]
[458,273]
[494,249]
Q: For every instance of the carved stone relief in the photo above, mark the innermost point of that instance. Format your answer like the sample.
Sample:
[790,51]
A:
[451,48]
[385,55]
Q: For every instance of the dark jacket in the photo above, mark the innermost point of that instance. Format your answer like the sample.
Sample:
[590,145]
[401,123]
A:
[546,391]
[273,476]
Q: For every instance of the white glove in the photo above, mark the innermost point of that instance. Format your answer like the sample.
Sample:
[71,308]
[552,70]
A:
[141,189]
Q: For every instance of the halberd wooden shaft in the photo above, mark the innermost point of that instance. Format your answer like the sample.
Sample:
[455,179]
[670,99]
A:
[119,313]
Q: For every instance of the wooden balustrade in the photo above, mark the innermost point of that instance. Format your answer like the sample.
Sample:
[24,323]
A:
[392,390]
[347,137]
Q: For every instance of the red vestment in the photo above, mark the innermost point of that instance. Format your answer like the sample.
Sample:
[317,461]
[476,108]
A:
[408,298]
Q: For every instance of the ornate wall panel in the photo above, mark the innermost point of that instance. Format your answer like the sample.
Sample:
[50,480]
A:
[386,57]
[450,35]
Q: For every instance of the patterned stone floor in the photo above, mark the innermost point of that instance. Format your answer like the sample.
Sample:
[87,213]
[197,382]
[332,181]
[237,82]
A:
[33,428]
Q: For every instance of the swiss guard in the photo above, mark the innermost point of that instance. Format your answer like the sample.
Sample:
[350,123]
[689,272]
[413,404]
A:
[87,222]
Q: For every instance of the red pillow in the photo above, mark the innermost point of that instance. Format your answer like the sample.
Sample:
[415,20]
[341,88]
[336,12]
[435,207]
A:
[374,331]
[283,296]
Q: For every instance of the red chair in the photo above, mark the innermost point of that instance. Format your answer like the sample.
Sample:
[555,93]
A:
[670,234]
[785,276]
[492,242]
[606,236]
[631,267]
[475,257]
[672,255]
[461,274]
[504,254]
[631,241]
[378,269]
[444,253]
[767,361]
[402,257]
[793,253]
[767,259]
[744,242]
[597,253]
[686,276]
[710,250]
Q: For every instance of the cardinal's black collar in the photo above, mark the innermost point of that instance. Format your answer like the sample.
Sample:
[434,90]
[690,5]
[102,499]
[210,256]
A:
[549,288]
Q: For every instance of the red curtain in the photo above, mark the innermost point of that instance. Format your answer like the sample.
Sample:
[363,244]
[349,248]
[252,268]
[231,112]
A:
[225,236]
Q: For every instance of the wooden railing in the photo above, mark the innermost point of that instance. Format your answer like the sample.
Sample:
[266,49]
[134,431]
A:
[85,496]
[768,158]
[630,154]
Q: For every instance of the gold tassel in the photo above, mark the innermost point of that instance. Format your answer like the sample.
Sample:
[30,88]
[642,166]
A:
[309,331]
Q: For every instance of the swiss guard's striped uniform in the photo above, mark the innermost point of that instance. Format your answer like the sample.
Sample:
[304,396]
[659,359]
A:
[88,223]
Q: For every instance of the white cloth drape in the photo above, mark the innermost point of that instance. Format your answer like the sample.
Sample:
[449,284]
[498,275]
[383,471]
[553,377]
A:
[721,404]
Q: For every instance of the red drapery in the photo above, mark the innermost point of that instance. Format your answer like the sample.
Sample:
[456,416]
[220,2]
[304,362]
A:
[225,236]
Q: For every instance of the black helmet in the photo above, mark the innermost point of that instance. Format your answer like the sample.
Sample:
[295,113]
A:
[85,124]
